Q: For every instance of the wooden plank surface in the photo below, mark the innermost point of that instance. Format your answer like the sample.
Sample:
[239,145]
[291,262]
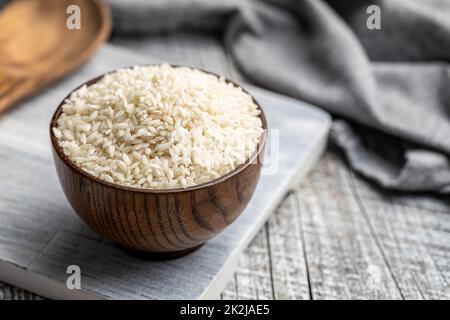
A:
[335,235]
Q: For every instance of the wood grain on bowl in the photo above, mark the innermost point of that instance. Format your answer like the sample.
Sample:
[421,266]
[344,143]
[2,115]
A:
[38,48]
[163,220]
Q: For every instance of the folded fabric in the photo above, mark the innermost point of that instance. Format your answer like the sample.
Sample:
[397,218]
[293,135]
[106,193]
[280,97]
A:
[391,85]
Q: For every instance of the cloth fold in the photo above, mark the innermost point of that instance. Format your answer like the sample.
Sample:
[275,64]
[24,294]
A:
[391,85]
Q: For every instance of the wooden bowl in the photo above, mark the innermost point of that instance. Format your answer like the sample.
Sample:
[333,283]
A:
[163,222]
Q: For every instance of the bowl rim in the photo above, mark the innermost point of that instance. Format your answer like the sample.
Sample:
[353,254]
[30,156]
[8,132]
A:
[72,165]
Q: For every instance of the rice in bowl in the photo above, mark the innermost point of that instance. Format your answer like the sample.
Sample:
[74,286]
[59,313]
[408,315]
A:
[159,127]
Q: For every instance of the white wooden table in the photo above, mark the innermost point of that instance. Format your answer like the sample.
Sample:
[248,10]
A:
[335,236]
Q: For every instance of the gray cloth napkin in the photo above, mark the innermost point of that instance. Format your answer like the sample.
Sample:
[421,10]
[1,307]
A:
[389,89]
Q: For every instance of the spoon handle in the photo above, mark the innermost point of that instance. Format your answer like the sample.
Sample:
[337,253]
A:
[11,89]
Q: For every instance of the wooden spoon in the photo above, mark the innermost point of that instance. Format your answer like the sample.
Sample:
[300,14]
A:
[37,47]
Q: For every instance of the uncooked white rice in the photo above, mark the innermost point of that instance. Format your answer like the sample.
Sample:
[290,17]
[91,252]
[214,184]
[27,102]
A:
[159,127]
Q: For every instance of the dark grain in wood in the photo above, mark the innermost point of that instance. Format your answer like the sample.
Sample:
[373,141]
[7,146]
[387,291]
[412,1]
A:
[158,221]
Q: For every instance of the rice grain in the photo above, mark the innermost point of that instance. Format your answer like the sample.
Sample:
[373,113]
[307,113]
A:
[159,127]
